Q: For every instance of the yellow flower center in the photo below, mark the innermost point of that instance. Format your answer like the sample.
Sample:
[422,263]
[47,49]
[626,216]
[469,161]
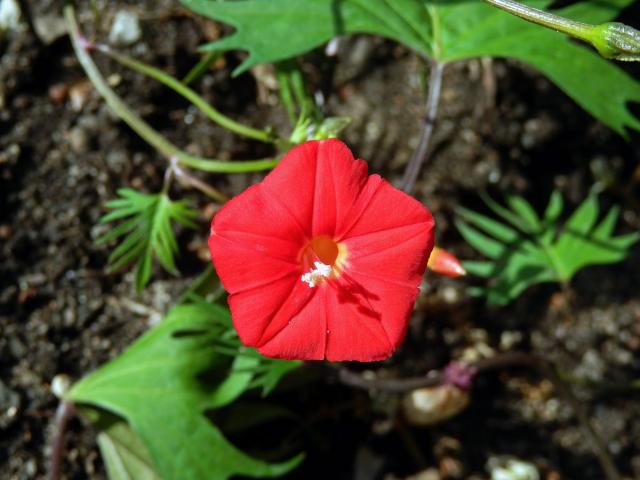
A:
[322,258]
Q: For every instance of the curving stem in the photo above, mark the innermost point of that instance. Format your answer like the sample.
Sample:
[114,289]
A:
[612,40]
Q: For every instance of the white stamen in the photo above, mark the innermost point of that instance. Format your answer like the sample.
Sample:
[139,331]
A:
[313,276]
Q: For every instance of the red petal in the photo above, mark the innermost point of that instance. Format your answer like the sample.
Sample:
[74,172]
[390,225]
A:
[255,212]
[304,335]
[396,302]
[354,325]
[319,182]
[399,253]
[253,310]
[292,183]
[391,238]
[254,241]
[243,267]
[383,207]
[367,318]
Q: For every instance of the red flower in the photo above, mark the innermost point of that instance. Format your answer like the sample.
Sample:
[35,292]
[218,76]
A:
[321,260]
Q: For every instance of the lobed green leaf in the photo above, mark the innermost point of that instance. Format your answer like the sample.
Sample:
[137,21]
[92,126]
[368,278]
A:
[446,30]
[164,385]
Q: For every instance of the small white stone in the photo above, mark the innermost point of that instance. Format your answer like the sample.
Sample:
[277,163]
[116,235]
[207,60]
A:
[9,15]
[125,29]
[60,385]
[515,469]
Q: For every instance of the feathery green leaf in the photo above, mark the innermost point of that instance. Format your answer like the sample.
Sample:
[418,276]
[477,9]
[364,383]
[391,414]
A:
[539,251]
[146,231]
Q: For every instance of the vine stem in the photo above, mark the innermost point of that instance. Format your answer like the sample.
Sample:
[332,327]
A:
[81,46]
[65,411]
[420,155]
[186,178]
[186,92]
[546,19]
[497,362]
[612,40]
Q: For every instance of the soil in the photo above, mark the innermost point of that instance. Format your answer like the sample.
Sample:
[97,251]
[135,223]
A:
[501,127]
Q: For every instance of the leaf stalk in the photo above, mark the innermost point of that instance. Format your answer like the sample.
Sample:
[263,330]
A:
[420,155]
[612,40]
[81,47]
[189,94]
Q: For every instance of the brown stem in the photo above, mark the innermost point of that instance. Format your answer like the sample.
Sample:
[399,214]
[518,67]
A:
[65,411]
[497,362]
[420,155]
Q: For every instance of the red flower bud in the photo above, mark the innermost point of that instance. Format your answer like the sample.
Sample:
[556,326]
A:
[445,263]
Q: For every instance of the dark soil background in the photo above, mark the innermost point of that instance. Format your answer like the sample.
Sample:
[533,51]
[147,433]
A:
[502,127]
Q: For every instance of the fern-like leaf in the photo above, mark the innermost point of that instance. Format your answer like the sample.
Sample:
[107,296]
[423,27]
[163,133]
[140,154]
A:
[527,249]
[145,231]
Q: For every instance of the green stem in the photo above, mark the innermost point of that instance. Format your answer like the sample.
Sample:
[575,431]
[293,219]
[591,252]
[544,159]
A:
[612,39]
[546,19]
[186,92]
[201,67]
[151,136]
[186,178]
[219,166]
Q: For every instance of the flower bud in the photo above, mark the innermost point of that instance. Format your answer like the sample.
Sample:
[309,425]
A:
[617,41]
[444,263]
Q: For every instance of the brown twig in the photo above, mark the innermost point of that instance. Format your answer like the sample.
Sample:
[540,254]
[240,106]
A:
[420,155]
[65,411]
[497,362]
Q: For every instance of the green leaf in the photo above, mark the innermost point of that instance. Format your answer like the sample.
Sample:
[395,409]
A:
[472,29]
[551,215]
[483,243]
[584,218]
[526,255]
[582,242]
[125,455]
[445,30]
[279,29]
[146,231]
[481,269]
[239,379]
[272,372]
[526,212]
[163,386]
[492,227]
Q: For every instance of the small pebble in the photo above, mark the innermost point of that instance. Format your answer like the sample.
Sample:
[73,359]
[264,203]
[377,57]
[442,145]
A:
[79,140]
[79,94]
[58,92]
[125,29]
[50,28]
[512,469]
[9,405]
[9,15]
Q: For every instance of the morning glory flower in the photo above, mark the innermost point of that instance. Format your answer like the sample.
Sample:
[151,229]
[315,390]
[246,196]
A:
[321,260]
